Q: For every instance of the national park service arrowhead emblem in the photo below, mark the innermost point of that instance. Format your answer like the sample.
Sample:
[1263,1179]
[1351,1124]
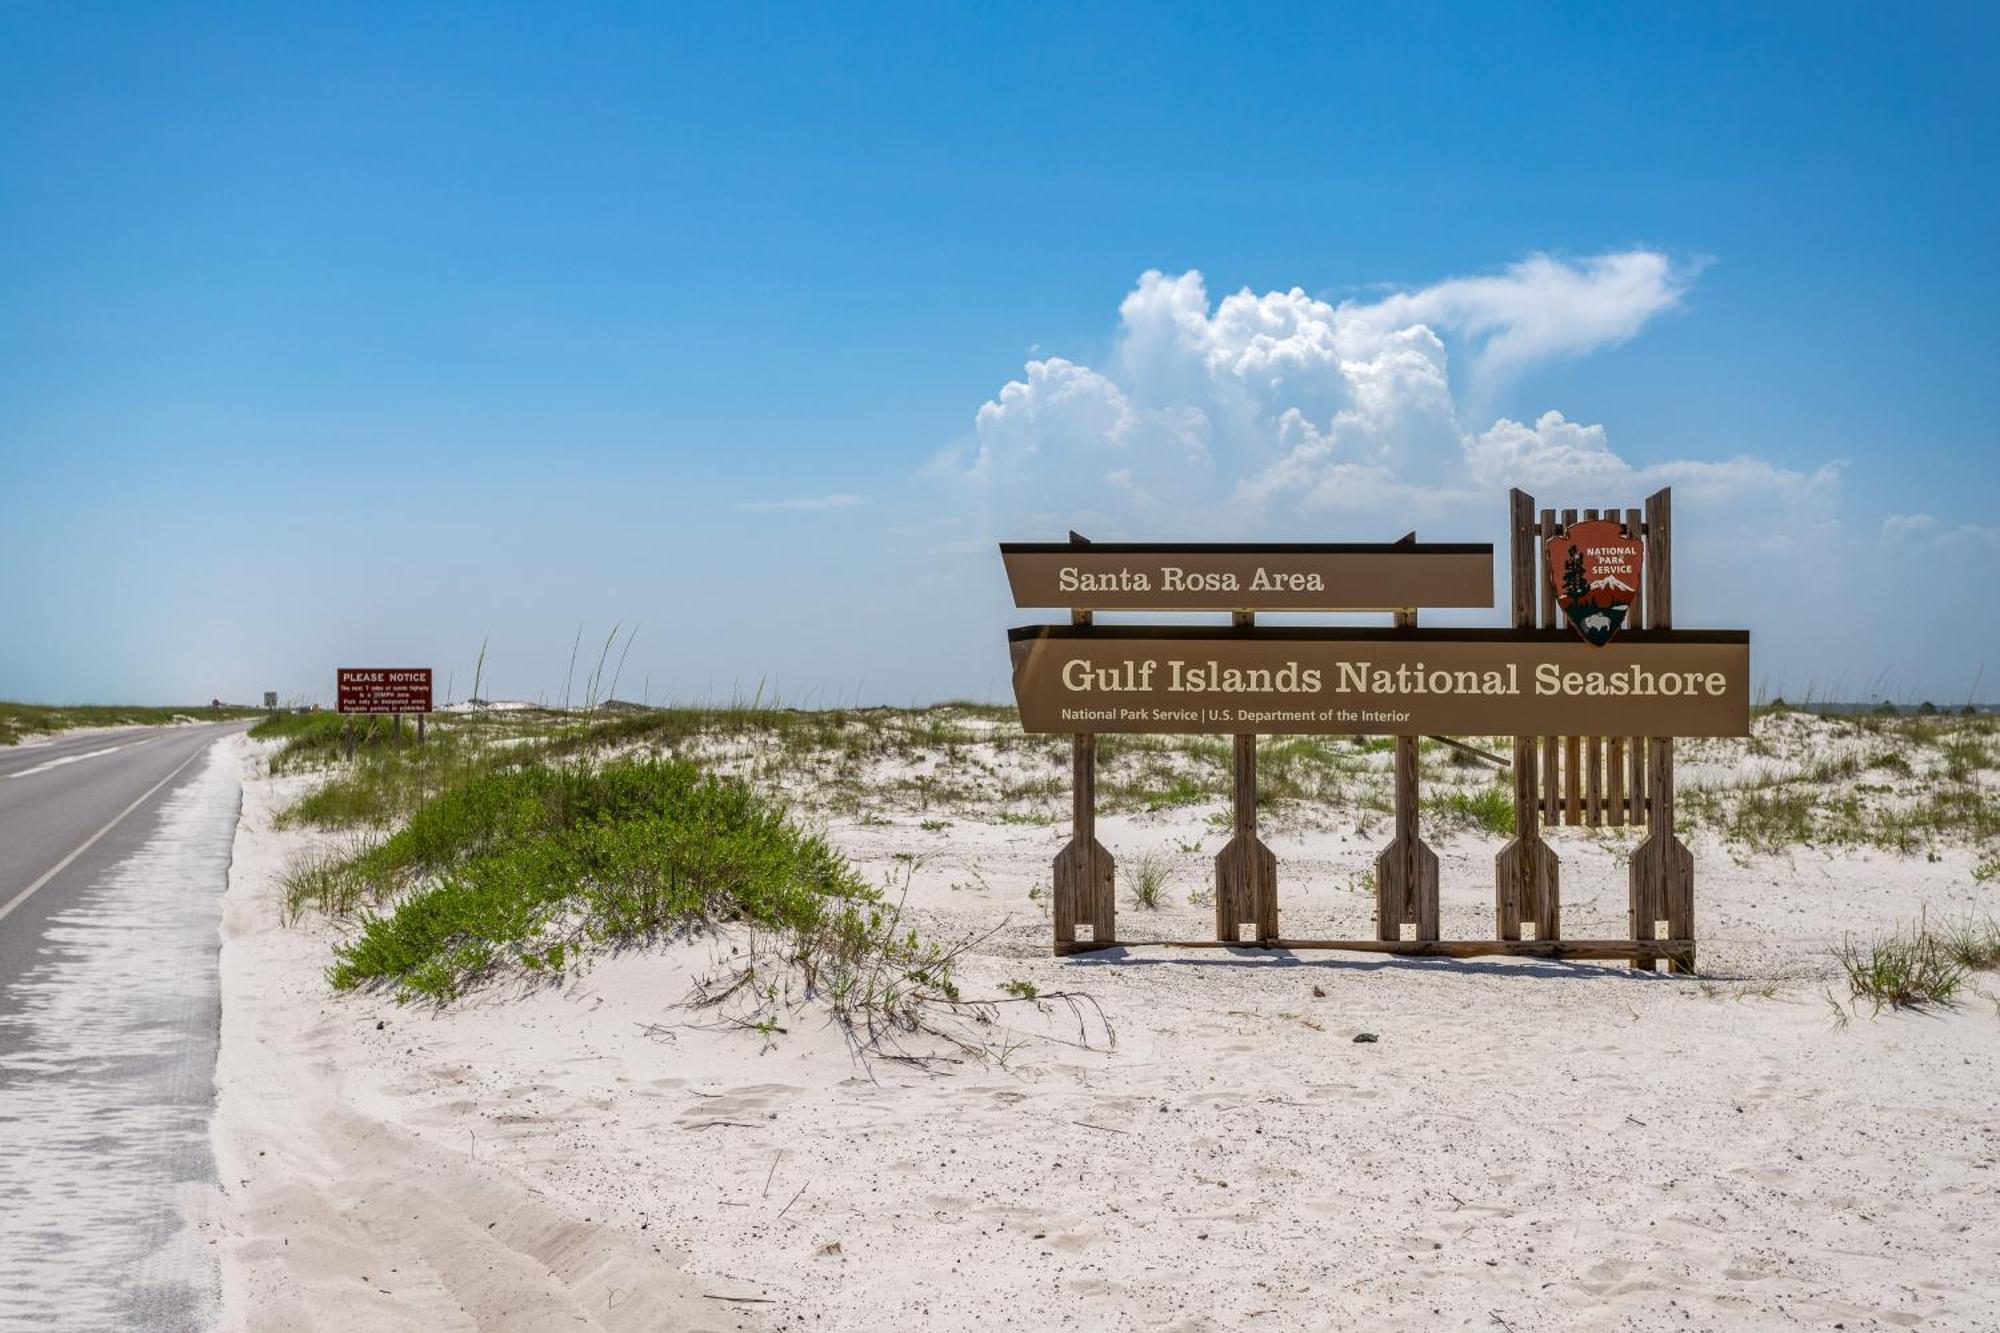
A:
[1595,569]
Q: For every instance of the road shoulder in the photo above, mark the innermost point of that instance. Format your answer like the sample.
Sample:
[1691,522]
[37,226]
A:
[330,1217]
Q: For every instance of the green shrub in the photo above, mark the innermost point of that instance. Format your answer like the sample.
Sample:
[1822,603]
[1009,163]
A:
[527,867]
[313,740]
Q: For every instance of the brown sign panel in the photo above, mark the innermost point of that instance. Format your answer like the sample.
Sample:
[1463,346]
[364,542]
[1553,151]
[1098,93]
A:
[1381,682]
[1594,569]
[1354,576]
[384,689]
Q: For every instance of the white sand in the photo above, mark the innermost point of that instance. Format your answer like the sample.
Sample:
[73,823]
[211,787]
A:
[1528,1146]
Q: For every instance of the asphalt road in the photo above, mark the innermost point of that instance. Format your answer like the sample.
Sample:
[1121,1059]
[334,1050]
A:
[114,853]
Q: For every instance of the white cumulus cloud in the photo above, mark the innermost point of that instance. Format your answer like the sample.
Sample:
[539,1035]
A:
[1262,409]
[1279,415]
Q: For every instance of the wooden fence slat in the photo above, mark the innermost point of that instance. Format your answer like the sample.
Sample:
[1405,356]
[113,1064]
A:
[1593,780]
[1551,748]
[1602,804]
[1526,871]
[1614,780]
[1572,788]
[1635,779]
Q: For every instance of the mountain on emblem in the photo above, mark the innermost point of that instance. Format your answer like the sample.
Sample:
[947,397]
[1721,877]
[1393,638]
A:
[1595,570]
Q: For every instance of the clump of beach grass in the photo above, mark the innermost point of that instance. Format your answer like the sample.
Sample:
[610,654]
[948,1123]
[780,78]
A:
[1973,943]
[327,880]
[1489,808]
[1910,968]
[1150,870]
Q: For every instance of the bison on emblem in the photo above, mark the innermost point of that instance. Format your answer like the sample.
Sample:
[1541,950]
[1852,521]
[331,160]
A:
[1595,569]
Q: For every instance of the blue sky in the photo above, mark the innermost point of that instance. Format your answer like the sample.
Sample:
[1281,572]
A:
[371,333]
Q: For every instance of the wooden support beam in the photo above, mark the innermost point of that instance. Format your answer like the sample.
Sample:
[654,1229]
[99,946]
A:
[1084,883]
[1406,873]
[1678,951]
[1635,759]
[1527,871]
[1592,755]
[1551,768]
[1661,875]
[1246,871]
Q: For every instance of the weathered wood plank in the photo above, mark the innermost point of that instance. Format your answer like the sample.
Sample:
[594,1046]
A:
[1246,871]
[1525,871]
[1614,780]
[1600,950]
[1406,873]
[1572,789]
[1593,749]
[1635,776]
[1083,880]
[1572,780]
[1551,746]
[1662,871]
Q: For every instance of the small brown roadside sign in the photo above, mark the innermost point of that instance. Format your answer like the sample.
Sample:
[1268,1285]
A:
[384,689]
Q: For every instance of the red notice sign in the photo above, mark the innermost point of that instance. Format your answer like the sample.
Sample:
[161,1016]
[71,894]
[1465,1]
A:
[385,689]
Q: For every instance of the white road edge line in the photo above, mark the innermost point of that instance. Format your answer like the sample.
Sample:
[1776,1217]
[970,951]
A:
[62,759]
[63,864]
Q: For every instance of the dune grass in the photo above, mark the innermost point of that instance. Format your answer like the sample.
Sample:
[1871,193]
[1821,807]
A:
[512,864]
[1913,967]
[1151,870]
[19,721]
[1905,784]
[526,867]
[1489,809]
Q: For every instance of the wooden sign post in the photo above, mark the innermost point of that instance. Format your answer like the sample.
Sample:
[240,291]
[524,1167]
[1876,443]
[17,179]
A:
[1246,871]
[1590,680]
[1406,874]
[1527,868]
[1085,876]
[1662,870]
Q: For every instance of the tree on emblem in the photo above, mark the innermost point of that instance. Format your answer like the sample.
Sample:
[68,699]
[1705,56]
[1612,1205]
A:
[1576,588]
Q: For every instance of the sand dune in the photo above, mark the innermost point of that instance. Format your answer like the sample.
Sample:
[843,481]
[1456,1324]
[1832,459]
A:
[1526,1145]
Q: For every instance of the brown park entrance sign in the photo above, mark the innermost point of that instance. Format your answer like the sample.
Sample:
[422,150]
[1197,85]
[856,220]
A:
[1380,682]
[1592,717]
[383,690]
